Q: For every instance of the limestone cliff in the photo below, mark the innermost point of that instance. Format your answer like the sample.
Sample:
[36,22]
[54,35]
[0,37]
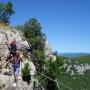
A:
[48,51]
[6,76]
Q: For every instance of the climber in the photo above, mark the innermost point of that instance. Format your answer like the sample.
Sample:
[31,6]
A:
[16,66]
[12,47]
[12,51]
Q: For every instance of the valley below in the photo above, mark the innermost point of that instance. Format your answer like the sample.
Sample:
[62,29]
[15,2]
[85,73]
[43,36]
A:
[77,74]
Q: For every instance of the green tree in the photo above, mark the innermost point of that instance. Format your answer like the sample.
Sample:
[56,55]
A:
[35,37]
[52,70]
[6,10]
[33,34]
[26,73]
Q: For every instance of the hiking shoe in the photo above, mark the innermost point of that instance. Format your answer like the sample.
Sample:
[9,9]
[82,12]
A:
[14,84]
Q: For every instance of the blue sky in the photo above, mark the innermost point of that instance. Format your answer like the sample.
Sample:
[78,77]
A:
[65,22]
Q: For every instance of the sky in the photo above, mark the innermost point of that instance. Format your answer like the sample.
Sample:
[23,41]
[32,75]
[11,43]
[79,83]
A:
[66,23]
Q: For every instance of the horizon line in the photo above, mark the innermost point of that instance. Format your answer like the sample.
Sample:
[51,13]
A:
[74,52]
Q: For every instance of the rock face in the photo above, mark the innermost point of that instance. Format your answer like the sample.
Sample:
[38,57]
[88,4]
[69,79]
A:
[6,76]
[10,34]
[6,80]
[48,51]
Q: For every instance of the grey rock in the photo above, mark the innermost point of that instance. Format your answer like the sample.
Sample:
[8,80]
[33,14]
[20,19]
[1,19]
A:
[6,75]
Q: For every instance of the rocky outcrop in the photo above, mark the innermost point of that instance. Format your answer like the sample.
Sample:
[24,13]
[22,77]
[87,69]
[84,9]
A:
[48,51]
[6,76]
[76,67]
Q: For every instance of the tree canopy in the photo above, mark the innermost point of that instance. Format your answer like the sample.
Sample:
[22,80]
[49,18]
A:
[34,34]
[6,10]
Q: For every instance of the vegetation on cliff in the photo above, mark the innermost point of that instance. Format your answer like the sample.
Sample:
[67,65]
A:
[35,37]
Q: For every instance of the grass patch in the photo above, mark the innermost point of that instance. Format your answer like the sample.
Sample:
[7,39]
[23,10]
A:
[83,59]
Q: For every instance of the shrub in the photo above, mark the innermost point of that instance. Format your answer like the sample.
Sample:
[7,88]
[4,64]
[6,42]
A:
[26,73]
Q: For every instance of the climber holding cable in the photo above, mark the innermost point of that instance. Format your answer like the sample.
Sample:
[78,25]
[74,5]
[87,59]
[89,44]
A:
[12,50]
[14,58]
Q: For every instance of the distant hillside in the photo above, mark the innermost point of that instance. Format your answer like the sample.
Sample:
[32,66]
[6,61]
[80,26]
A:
[83,59]
[77,74]
[73,55]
